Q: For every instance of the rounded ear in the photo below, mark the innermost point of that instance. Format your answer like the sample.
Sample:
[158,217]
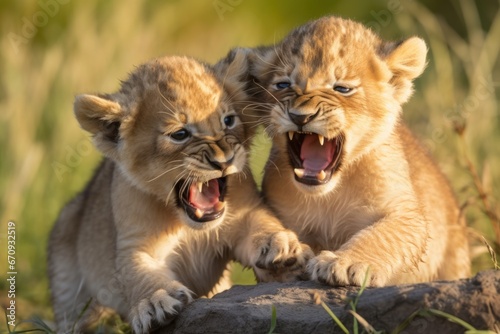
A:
[233,71]
[406,60]
[101,117]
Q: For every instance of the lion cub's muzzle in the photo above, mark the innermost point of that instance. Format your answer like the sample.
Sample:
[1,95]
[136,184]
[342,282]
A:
[203,201]
[202,197]
[314,158]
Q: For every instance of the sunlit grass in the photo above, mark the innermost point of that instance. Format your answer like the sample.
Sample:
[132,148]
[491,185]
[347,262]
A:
[89,46]
[459,92]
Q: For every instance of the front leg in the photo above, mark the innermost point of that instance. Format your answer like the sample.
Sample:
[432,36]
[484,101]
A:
[145,261]
[153,293]
[275,253]
[146,271]
[382,251]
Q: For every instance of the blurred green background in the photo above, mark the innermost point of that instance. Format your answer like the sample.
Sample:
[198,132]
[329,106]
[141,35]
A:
[51,50]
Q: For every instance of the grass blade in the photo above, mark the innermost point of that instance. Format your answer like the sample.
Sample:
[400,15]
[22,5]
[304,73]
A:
[273,319]
[493,255]
[41,325]
[355,328]
[369,328]
[354,303]
[334,317]
[406,322]
[80,315]
[363,286]
[451,318]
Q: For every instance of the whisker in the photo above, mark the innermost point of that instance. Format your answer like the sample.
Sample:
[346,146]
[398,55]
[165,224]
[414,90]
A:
[277,101]
[174,185]
[269,160]
[166,100]
[184,185]
[278,55]
[266,62]
[165,172]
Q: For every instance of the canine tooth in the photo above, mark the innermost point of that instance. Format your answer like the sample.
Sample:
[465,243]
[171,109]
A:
[321,139]
[290,135]
[198,213]
[299,172]
[200,186]
[321,175]
[219,206]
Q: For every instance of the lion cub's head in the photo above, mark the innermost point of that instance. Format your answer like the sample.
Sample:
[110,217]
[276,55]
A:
[333,91]
[173,133]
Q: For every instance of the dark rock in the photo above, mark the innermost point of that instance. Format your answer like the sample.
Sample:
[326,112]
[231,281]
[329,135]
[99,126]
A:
[248,309]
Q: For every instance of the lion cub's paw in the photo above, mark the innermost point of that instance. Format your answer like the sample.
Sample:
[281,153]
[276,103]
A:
[281,257]
[159,310]
[342,269]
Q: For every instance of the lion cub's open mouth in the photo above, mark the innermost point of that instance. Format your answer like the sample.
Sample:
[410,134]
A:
[203,201]
[314,158]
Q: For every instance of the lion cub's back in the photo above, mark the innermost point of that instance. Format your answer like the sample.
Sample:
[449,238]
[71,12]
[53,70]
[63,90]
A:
[431,186]
[447,228]
[68,232]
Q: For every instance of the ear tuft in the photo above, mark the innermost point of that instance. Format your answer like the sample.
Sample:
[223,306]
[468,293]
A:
[406,61]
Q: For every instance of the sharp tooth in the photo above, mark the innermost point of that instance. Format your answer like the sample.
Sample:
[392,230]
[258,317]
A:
[200,186]
[219,206]
[321,175]
[198,213]
[321,139]
[299,172]
[290,135]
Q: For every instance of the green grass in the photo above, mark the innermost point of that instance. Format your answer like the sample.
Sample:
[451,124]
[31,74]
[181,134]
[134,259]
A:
[353,303]
[426,313]
[274,319]
[89,46]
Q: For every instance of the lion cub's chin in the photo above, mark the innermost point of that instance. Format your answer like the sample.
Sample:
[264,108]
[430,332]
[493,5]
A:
[320,189]
[197,225]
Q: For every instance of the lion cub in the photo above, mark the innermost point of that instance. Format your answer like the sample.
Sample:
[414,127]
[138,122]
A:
[171,204]
[344,172]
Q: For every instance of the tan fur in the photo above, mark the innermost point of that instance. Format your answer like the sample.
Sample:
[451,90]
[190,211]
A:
[125,242]
[387,207]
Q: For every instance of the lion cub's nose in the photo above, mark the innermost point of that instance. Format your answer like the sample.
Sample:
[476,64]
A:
[226,167]
[301,119]
[222,165]
[222,158]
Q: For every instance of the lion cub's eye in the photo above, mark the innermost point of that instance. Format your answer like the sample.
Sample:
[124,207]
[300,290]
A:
[342,89]
[283,85]
[230,121]
[180,135]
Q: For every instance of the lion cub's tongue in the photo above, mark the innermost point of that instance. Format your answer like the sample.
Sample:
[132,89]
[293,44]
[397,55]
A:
[316,157]
[207,198]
